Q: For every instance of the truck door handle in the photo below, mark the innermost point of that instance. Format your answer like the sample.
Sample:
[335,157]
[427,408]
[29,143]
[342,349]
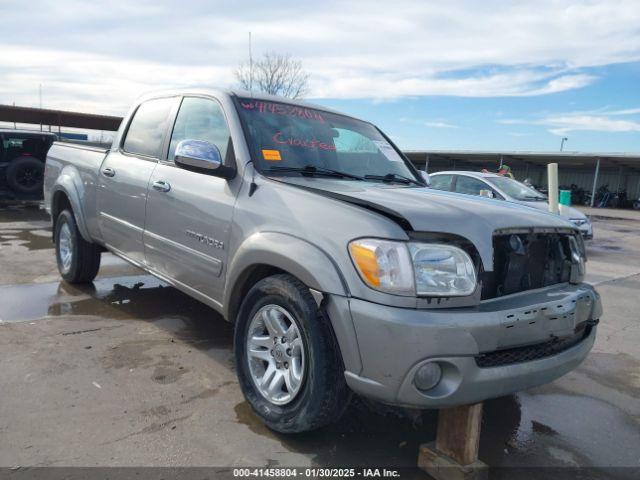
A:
[161,186]
[108,172]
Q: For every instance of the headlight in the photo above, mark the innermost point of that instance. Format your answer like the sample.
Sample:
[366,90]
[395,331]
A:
[442,270]
[384,265]
[402,268]
[578,259]
[578,222]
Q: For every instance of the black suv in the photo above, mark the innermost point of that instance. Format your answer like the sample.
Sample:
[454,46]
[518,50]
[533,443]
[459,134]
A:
[22,156]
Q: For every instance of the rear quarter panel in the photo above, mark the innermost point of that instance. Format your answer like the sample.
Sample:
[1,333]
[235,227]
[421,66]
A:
[73,170]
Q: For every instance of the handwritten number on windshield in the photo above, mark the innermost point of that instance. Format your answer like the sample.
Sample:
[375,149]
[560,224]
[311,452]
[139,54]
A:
[283,109]
[300,142]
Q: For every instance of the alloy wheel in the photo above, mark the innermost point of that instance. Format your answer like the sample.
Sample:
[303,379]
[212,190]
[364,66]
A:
[276,354]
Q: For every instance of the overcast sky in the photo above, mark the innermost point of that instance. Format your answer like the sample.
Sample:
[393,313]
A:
[447,75]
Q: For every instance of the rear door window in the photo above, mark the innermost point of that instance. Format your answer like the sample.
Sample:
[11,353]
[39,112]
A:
[13,146]
[13,142]
[470,186]
[441,182]
[147,129]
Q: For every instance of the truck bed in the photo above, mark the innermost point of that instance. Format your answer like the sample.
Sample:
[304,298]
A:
[75,164]
[85,143]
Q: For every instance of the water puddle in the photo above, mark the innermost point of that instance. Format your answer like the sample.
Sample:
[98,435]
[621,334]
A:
[37,235]
[369,434]
[37,239]
[558,430]
[136,297]
[530,429]
[23,213]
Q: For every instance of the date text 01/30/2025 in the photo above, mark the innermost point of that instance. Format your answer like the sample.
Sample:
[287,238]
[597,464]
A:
[316,472]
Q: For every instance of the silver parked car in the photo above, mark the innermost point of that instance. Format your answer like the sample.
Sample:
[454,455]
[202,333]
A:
[505,188]
[342,272]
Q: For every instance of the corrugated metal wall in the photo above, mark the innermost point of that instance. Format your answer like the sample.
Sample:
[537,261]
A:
[616,179]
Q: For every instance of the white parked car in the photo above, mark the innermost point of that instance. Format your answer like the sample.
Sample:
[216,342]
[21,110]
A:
[505,188]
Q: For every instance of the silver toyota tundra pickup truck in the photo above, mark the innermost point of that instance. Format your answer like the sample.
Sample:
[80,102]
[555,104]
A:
[341,270]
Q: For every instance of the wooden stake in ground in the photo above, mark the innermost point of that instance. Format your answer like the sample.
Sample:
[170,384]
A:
[455,452]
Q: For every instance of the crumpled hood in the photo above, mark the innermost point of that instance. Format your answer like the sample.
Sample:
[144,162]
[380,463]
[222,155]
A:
[429,210]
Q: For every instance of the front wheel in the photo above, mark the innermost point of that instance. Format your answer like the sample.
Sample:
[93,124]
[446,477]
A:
[287,358]
[78,260]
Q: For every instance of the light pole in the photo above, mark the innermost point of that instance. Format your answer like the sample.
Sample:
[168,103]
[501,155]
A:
[250,66]
[564,139]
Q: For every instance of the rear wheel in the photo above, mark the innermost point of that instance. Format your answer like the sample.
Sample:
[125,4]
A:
[25,175]
[287,358]
[78,260]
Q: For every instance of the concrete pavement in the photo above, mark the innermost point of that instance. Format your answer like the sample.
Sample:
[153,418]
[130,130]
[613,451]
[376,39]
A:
[130,372]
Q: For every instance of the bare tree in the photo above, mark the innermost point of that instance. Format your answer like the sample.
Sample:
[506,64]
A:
[276,74]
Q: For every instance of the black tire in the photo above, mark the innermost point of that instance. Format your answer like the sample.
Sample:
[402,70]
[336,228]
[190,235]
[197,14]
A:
[85,256]
[25,175]
[324,394]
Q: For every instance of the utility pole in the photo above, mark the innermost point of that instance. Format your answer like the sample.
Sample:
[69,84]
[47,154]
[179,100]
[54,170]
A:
[40,95]
[564,139]
[250,66]
[595,184]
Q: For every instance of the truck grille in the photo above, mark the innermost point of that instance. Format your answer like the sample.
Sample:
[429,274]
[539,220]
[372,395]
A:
[528,353]
[525,261]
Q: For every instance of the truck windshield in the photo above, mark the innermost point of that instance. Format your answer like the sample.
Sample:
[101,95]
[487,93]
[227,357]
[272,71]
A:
[516,190]
[287,139]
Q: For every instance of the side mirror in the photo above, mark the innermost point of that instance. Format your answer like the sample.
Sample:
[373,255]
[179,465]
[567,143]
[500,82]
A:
[425,176]
[198,154]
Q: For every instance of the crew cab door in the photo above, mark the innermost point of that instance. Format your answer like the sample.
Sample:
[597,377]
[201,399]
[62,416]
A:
[124,178]
[189,212]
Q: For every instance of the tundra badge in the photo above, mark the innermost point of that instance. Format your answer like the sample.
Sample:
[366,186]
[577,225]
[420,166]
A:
[212,242]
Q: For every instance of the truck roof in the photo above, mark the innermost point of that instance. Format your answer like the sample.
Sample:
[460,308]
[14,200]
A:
[237,93]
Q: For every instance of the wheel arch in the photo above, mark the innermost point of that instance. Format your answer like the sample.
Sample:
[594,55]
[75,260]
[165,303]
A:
[59,202]
[271,253]
[62,199]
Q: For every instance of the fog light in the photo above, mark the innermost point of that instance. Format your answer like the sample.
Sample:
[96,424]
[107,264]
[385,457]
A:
[427,376]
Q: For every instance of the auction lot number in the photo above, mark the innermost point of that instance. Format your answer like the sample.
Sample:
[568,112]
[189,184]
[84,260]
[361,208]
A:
[315,472]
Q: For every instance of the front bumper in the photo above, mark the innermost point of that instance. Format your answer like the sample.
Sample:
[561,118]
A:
[393,343]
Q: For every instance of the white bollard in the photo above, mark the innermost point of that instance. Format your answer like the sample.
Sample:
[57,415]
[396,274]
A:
[552,179]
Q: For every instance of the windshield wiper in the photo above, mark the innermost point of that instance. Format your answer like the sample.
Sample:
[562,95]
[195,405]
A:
[313,170]
[393,177]
[535,199]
